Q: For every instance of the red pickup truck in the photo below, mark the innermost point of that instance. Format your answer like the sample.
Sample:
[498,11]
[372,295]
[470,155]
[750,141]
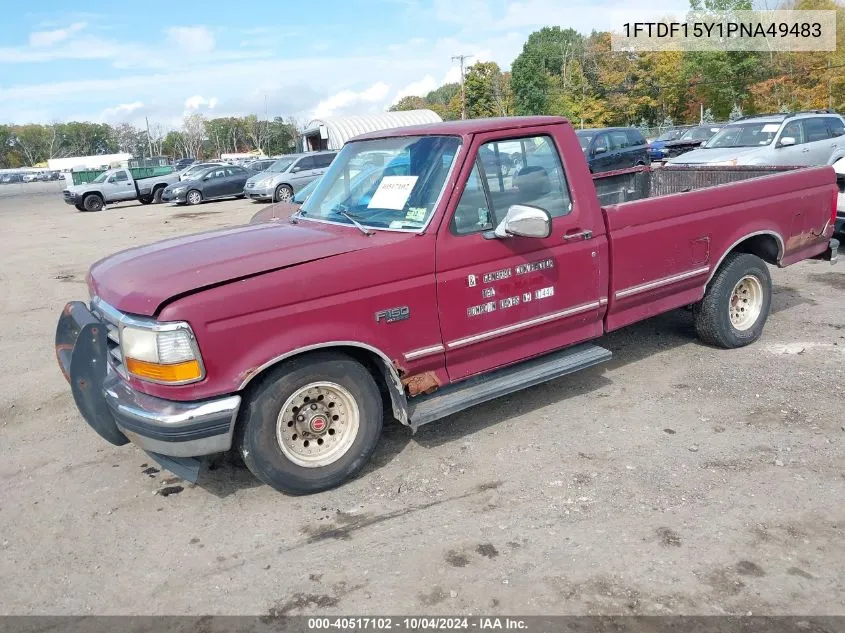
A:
[418,280]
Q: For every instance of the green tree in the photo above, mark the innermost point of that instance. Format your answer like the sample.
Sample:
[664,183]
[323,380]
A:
[410,102]
[545,55]
[484,85]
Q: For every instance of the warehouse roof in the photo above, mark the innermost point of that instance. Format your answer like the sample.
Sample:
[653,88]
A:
[341,129]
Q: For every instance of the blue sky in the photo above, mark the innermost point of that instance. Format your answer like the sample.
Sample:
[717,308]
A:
[124,61]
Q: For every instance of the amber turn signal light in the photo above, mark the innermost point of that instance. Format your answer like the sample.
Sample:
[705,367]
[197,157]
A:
[177,372]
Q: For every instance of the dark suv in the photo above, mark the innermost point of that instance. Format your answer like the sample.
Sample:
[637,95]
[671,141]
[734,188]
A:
[608,149]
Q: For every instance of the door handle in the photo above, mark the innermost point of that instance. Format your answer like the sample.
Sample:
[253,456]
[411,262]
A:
[585,235]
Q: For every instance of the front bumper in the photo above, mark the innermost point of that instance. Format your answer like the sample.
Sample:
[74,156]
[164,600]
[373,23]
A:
[259,193]
[169,196]
[121,414]
[71,198]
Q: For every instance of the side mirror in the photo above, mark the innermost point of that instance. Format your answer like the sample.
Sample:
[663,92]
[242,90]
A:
[525,221]
[786,141]
[600,150]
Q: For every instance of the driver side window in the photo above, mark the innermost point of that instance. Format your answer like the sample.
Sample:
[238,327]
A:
[472,214]
[601,143]
[795,130]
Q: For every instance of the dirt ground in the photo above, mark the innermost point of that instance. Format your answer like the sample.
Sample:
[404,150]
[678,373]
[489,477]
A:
[675,479]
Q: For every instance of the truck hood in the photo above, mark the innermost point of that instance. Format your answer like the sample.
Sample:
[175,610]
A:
[140,280]
[717,155]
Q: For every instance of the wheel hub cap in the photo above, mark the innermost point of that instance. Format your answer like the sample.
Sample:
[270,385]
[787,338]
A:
[746,303]
[317,424]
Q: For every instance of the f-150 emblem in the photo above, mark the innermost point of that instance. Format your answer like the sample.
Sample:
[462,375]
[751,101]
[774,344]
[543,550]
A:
[393,314]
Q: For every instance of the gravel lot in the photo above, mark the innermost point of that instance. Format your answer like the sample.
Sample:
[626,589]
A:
[676,479]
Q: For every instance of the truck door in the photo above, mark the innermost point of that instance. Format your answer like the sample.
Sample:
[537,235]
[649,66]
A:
[121,186]
[504,300]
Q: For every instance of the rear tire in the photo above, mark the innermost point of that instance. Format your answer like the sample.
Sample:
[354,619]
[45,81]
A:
[93,202]
[736,304]
[311,424]
[157,195]
[146,200]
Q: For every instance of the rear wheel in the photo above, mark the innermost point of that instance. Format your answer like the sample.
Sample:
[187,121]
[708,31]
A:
[736,305]
[283,194]
[93,202]
[145,200]
[193,197]
[311,424]
[157,195]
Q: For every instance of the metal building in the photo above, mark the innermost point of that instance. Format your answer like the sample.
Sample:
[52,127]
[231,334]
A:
[331,133]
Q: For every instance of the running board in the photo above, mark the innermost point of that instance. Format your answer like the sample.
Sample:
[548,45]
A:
[473,391]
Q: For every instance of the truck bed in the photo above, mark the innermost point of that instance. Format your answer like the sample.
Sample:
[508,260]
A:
[626,185]
[669,228]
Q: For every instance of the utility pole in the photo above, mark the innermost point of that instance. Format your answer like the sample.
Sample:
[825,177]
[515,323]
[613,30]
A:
[266,129]
[461,59]
[149,140]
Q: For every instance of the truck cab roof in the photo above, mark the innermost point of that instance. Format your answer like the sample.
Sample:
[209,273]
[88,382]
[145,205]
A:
[461,128]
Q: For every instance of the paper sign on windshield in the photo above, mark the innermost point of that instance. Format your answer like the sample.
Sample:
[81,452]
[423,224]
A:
[771,127]
[393,192]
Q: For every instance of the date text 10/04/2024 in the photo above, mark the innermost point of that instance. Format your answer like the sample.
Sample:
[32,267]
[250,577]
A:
[418,623]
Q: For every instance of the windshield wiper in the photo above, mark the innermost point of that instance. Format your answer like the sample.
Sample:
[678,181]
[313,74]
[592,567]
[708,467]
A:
[357,224]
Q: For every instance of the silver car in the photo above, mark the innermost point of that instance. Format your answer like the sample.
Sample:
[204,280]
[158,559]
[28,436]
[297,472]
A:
[795,139]
[284,178]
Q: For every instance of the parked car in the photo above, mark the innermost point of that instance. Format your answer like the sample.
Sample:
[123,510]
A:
[31,176]
[259,165]
[212,183]
[286,341]
[117,185]
[287,175]
[191,172]
[655,148]
[609,149]
[10,178]
[183,163]
[812,138]
[49,175]
[283,210]
[689,140]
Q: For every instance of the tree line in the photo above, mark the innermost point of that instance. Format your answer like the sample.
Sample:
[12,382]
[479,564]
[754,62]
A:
[561,72]
[34,144]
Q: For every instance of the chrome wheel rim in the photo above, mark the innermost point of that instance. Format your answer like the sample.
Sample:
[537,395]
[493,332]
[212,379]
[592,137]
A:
[317,424]
[746,302]
[284,194]
[194,197]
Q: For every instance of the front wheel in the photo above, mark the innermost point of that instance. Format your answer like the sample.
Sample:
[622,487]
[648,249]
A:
[193,197]
[736,304]
[283,194]
[312,424]
[93,202]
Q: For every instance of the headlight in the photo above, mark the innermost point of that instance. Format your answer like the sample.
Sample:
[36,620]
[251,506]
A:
[266,182]
[165,353]
[178,189]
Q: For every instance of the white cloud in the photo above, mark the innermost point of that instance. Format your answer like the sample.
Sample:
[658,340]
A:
[49,38]
[417,88]
[192,39]
[346,98]
[453,75]
[197,101]
[121,111]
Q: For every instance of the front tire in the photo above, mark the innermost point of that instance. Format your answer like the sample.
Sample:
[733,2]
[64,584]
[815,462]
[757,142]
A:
[283,194]
[93,202]
[193,197]
[736,304]
[311,424]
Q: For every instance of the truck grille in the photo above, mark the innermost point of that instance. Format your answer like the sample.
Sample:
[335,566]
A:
[66,194]
[110,317]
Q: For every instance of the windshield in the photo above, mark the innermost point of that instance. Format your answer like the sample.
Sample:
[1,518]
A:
[281,165]
[102,177]
[698,133]
[745,135]
[585,139]
[384,183]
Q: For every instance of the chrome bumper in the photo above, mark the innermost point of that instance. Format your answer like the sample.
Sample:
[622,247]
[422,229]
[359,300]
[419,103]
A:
[119,413]
[177,429]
